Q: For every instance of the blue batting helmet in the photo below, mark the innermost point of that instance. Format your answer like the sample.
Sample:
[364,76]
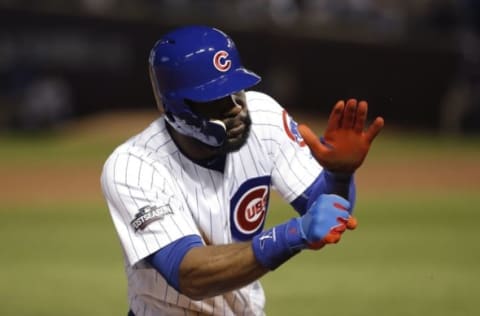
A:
[200,64]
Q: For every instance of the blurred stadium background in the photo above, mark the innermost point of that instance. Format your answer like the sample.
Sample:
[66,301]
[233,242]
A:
[74,84]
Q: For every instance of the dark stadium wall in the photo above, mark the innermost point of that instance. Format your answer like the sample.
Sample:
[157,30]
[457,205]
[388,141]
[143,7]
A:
[104,61]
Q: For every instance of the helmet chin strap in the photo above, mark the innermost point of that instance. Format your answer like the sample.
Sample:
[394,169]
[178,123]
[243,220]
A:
[212,133]
[220,123]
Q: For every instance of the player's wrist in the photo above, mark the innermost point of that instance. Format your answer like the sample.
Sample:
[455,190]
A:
[275,246]
[337,176]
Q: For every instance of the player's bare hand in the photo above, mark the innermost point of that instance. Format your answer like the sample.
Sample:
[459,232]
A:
[347,140]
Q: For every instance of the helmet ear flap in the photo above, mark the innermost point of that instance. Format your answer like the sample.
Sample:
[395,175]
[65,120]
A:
[156,92]
[210,132]
[170,116]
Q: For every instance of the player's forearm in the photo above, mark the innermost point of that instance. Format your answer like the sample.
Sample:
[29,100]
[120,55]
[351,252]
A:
[208,271]
[213,270]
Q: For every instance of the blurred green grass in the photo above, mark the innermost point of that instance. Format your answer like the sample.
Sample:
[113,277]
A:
[60,260]
[47,148]
[412,254]
[406,258]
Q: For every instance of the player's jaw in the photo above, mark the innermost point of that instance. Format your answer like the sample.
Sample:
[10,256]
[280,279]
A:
[238,136]
[238,130]
[233,112]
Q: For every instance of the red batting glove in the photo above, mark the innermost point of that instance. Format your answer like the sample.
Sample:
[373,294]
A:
[346,142]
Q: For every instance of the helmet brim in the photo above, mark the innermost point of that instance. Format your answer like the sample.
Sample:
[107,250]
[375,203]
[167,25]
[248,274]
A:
[222,86]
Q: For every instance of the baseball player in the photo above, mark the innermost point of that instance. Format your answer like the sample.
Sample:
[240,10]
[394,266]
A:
[188,195]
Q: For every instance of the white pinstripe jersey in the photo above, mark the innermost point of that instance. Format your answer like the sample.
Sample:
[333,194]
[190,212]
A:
[156,195]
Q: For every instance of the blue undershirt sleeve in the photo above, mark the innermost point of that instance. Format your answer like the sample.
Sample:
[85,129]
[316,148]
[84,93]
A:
[325,183]
[168,259]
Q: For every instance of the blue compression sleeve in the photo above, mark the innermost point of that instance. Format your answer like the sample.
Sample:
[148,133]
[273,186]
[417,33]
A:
[325,183]
[167,260]
[278,244]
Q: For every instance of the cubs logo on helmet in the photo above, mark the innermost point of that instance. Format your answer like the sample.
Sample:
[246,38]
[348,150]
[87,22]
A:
[248,208]
[221,62]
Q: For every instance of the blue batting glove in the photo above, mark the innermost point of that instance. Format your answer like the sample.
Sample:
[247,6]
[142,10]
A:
[325,220]
[323,223]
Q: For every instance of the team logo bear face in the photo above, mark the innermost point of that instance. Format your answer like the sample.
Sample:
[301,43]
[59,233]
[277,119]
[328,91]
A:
[248,208]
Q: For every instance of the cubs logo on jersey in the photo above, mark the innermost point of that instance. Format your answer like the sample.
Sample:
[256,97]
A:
[291,128]
[248,208]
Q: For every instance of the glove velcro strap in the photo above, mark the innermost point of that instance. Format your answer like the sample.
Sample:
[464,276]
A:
[278,244]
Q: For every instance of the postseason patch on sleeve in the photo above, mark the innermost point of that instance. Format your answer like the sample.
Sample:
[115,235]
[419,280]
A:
[291,129]
[149,214]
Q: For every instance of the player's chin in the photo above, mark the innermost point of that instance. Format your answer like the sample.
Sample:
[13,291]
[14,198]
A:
[234,144]
[235,141]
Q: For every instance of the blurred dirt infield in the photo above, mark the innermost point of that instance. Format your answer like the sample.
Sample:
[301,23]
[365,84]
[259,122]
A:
[73,181]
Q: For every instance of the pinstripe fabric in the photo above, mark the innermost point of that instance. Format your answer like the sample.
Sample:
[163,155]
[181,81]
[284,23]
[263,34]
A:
[149,170]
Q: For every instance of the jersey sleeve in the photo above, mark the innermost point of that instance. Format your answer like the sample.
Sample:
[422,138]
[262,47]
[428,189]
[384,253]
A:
[294,168]
[144,204]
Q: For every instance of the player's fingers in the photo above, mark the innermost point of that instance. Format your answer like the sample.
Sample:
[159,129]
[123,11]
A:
[361,116]
[316,245]
[349,114]
[352,223]
[335,117]
[332,238]
[340,228]
[374,129]
[311,140]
